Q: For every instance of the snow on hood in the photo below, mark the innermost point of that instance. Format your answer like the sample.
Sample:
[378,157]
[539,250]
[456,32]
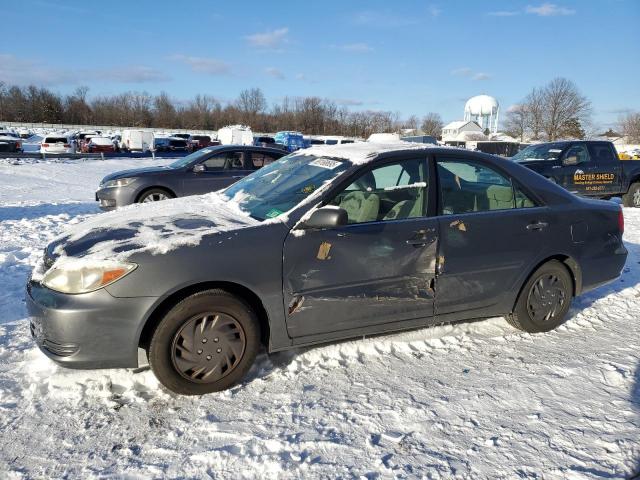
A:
[155,228]
[362,152]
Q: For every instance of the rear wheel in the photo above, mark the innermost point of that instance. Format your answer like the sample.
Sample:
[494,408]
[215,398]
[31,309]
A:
[155,195]
[544,300]
[632,197]
[205,343]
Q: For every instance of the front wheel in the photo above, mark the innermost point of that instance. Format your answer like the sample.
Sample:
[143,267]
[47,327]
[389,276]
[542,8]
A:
[155,195]
[632,197]
[205,343]
[544,300]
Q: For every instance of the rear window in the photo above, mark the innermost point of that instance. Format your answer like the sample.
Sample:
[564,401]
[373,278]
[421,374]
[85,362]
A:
[55,140]
[178,143]
[201,138]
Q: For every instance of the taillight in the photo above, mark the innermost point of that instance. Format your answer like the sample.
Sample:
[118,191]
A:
[45,144]
[66,145]
[621,221]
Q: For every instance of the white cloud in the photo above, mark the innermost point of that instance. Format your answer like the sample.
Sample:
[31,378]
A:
[273,39]
[274,72]
[469,73]
[349,102]
[301,76]
[462,72]
[20,71]
[359,47]
[548,10]
[503,13]
[210,66]
[481,76]
[434,11]
[383,19]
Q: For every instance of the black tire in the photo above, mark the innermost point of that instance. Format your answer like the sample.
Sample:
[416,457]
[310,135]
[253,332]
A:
[632,197]
[544,300]
[155,195]
[228,320]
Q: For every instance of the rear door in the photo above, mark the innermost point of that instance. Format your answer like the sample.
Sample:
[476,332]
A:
[378,269]
[491,231]
[608,174]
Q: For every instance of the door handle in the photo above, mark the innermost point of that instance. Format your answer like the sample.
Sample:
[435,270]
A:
[422,238]
[537,226]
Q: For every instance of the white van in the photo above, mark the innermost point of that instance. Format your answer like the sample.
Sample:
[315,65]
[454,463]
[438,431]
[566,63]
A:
[235,135]
[136,140]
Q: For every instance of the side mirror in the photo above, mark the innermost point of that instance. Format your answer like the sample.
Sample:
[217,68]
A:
[199,168]
[327,217]
[572,160]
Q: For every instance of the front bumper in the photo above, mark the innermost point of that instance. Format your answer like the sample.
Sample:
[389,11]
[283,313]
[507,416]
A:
[92,330]
[112,198]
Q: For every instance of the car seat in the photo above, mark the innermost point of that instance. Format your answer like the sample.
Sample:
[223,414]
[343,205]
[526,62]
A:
[500,197]
[407,208]
[362,205]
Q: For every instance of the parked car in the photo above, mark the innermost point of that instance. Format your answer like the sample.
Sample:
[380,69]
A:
[292,141]
[200,141]
[136,140]
[203,171]
[178,145]
[161,144]
[57,144]
[10,142]
[98,145]
[322,245]
[586,167]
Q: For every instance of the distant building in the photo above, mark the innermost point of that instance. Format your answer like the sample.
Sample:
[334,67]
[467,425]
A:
[462,131]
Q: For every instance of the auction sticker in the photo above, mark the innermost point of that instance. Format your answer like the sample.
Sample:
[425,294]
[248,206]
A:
[326,163]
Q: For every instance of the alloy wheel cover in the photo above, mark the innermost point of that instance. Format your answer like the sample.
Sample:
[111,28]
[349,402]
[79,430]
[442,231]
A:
[208,347]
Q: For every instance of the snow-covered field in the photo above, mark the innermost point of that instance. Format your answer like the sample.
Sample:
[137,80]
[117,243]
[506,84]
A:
[473,400]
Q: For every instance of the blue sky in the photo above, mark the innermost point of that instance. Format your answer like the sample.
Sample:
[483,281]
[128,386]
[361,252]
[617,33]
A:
[413,57]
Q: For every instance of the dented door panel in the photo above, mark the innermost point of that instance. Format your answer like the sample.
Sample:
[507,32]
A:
[359,275]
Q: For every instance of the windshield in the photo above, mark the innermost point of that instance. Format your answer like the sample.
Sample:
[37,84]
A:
[195,156]
[280,186]
[544,151]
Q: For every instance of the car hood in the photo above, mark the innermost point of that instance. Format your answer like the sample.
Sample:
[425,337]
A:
[135,172]
[153,228]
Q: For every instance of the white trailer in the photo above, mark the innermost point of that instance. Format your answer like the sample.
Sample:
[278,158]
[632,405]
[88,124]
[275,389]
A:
[235,135]
[136,140]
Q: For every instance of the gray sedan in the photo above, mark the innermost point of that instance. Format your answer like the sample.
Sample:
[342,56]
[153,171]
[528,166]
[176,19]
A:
[206,170]
[325,244]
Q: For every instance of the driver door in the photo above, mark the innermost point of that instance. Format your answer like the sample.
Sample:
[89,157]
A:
[577,169]
[215,173]
[378,269]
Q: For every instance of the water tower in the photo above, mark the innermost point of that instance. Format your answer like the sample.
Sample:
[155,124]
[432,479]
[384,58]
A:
[483,110]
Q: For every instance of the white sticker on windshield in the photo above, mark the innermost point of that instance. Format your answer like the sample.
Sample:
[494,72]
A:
[326,163]
[554,150]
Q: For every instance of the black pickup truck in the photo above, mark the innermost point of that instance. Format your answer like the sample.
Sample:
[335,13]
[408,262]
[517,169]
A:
[590,168]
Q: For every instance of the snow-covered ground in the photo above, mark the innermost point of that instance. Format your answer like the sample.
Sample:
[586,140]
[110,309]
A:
[473,400]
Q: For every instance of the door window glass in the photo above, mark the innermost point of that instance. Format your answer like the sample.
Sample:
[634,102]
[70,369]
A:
[576,155]
[216,162]
[601,153]
[391,192]
[471,187]
[259,160]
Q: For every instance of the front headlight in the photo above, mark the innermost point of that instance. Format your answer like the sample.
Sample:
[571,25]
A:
[120,182]
[85,276]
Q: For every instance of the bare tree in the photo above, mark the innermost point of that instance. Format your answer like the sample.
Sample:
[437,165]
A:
[517,121]
[563,104]
[630,126]
[432,124]
[535,112]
